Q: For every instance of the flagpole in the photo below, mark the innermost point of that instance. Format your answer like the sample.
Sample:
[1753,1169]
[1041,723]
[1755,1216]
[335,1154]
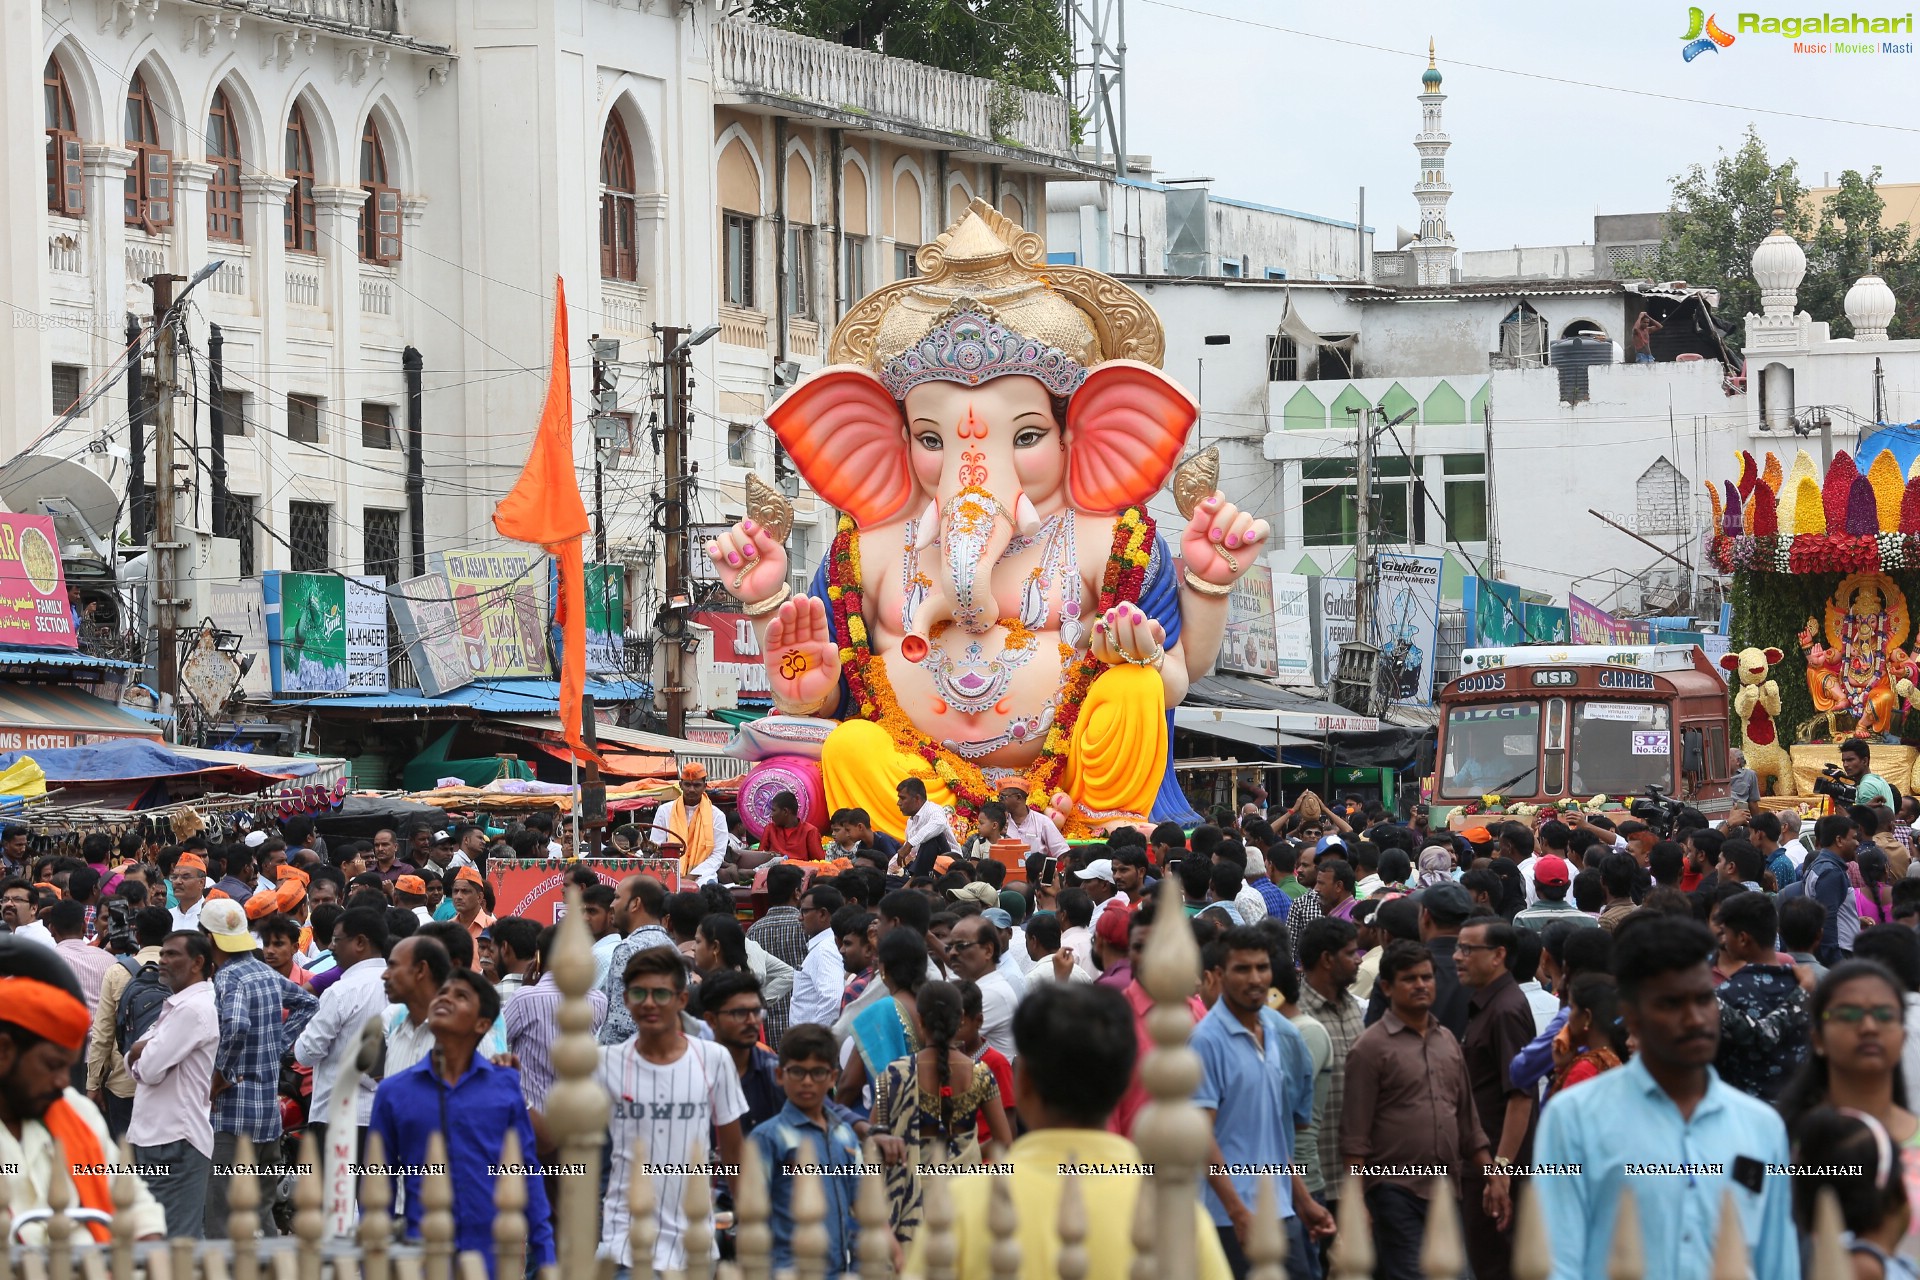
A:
[574,769]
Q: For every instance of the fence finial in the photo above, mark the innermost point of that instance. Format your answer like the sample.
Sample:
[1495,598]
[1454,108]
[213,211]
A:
[1626,1260]
[309,1221]
[1443,1252]
[643,1226]
[1830,1261]
[1073,1263]
[510,1211]
[1146,1239]
[1266,1244]
[1730,1242]
[752,1217]
[870,1207]
[1353,1247]
[124,1191]
[436,1217]
[810,1239]
[1532,1254]
[698,1237]
[936,1224]
[243,1211]
[59,1226]
[1171,1132]
[1003,1224]
[376,1212]
[578,1109]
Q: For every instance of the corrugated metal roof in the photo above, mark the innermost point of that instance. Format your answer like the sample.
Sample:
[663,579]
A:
[63,709]
[489,697]
[61,658]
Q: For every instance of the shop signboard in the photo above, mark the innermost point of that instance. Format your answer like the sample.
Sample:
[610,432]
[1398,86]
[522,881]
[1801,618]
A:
[1406,614]
[1248,647]
[34,610]
[238,607]
[1292,629]
[1332,608]
[423,609]
[501,600]
[537,889]
[606,586]
[325,633]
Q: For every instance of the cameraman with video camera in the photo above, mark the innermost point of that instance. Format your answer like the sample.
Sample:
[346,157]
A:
[1868,788]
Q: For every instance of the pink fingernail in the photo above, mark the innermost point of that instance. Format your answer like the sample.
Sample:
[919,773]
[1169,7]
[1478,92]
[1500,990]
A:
[1216,535]
[749,526]
[749,551]
[732,558]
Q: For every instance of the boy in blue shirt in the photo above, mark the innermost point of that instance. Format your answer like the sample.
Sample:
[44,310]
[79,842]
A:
[809,1132]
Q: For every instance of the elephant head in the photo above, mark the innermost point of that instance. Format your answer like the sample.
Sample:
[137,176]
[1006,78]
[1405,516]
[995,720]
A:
[973,465]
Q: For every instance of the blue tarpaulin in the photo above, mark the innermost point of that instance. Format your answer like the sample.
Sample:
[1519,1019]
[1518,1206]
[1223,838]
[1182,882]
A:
[125,760]
[1902,439]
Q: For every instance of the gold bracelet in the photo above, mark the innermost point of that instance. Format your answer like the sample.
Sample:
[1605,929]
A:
[761,608]
[1157,659]
[1206,588]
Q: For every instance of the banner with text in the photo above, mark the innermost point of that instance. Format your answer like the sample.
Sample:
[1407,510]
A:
[1594,625]
[1495,614]
[239,607]
[1248,647]
[34,609]
[325,633]
[501,600]
[1547,624]
[423,609]
[606,616]
[737,653]
[536,890]
[1293,629]
[1406,613]
[1332,606]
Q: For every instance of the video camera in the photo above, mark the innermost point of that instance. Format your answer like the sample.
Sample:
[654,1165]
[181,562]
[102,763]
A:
[1833,781]
[1657,810]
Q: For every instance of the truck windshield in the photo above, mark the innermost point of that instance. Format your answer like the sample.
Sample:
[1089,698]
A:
[1492,748]
[1620,748]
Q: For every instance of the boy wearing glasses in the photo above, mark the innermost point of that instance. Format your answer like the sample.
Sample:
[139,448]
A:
[811,1135]
[670,1093]
[731,1004]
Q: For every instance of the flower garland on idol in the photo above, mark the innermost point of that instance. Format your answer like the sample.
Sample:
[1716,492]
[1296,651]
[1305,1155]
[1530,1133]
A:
[875,700]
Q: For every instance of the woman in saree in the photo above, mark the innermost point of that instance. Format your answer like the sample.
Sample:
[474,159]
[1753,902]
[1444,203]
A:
[886,1030]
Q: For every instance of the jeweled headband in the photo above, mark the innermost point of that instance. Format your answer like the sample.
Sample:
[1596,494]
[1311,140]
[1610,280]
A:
[970,349]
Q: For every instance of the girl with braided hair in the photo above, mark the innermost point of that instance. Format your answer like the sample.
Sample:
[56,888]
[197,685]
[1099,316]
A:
[931,1102]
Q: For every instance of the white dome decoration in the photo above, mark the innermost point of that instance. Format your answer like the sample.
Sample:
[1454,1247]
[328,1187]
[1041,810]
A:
[1870,306]
[1779,264]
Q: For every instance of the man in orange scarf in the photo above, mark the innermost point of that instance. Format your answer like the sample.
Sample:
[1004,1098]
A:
[696,825]
[43,1030]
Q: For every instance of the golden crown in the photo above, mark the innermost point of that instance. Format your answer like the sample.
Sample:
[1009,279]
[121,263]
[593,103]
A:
[989,262]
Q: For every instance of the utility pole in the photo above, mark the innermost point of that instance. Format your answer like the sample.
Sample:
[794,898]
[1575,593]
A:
[162,547]
[601,406]
[673,345]
[1363,529]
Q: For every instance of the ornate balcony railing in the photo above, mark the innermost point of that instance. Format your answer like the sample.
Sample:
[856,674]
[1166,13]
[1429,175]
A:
[751,57]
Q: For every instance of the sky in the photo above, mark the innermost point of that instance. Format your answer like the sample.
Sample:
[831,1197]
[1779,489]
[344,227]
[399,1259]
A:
[1281,118]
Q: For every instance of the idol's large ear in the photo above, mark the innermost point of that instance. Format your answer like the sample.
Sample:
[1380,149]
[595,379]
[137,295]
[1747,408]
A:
[846,437]
[1126,426]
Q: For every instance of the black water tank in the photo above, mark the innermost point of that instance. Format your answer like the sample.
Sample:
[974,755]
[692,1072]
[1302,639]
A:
[1573,357]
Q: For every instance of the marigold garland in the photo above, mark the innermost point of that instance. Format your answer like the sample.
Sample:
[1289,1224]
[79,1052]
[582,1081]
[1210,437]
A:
[874,697]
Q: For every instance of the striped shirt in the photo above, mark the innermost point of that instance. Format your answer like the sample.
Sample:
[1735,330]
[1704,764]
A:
[532,1022]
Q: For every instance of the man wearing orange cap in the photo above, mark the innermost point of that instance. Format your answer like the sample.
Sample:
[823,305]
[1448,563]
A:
[41,1035]
[410,892]
[696,825]
[469,902]
[189,881]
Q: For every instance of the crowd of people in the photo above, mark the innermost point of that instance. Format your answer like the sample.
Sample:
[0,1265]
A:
[1561,1008]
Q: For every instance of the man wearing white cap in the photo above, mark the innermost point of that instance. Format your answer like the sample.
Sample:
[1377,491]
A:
[1030,825]
[262,882]
[1097,880]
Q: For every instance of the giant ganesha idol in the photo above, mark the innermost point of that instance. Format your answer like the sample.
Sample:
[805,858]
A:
[997,605]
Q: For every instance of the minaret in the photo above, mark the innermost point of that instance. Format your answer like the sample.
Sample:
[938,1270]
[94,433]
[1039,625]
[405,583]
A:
[1433,250]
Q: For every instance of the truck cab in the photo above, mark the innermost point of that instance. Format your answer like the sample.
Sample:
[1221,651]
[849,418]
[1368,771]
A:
[1544,723]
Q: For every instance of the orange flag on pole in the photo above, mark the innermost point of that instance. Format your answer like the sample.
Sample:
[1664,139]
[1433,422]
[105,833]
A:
[545,506]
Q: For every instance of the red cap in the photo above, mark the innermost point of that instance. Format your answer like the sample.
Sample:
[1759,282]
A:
[1552,870]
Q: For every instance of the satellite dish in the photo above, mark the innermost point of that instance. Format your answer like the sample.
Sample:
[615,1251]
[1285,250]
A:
[83,506]
[1403,237]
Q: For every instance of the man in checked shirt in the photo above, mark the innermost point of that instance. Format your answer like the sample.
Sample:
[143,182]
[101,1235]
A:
[261,1015]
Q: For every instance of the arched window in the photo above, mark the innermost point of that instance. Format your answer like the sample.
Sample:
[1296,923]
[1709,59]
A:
[149,187]
[1523,338]
[223,189]
[66,185]
[618,260]
[380,217]
[298,219]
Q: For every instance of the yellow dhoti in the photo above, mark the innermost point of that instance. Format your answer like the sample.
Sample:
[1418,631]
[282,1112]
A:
[1116,762]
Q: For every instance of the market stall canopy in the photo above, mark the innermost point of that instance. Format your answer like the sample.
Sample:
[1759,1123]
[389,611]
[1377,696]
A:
[483,697]
[425,770]
[1215,723]
[131,760]
[322,771]
[42,717]
[60,658]
[1271,707]
[358,817]
[634,752]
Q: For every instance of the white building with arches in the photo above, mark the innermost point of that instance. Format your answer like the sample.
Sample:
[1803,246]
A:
[391,189]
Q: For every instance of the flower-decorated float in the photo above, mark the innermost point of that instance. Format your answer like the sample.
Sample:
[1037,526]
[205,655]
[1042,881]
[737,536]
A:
[997,607]
[1823,567]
